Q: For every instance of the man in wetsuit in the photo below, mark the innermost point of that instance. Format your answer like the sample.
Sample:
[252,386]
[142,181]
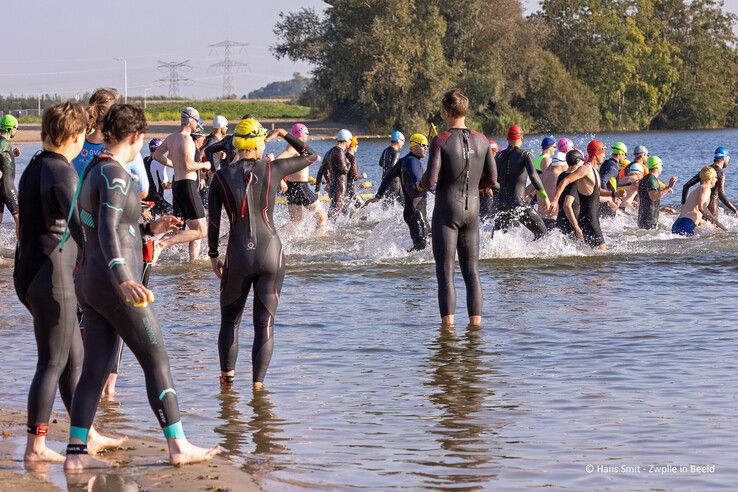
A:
[335,167]
[247,189]
[158,181]
[387,160]
[220,130]
[460,162]
[486,195]
[409,170]
[220,152]
[696,209]
[548,147]
[609,170]
[650,194]
[178,151]
[8,193]
[514,166]
[720,162]
[298,194]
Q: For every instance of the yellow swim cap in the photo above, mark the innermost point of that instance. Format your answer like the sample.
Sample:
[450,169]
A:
[418,139]
[707,173]
[249,134]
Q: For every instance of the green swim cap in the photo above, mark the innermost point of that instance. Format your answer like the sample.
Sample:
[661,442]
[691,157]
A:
[8,122]
[619,148]
[653,162]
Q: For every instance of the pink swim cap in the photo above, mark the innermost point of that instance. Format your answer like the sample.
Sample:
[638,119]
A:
[564,145]
[298,130]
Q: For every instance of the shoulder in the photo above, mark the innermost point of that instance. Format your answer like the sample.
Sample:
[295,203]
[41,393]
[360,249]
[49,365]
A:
[4,145]
[441,138]
[114,176]
[527,154]
[480,136]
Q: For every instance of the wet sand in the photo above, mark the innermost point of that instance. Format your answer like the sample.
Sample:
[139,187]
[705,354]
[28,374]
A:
[141,463]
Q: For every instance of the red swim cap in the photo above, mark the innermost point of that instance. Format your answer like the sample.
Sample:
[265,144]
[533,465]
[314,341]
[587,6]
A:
[515,132]
[493,146]
[595,147]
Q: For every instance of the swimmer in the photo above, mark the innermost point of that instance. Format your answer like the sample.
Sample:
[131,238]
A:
[410,169]
[158,178]
[696,208]
[8,193]
[460,162]
[609,170]
[112,299]
[650,194]
[550,179]
[219,132]
[43,274]
[630,175]
[720,162]
[178,151]
[514,166]
[568,202]
[335,167]
[353,175]
[387,160]
[486,195]
[543,160]
[586,224]
[299,195]
[247,189]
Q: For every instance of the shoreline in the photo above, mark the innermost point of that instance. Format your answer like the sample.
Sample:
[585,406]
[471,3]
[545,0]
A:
[142,464]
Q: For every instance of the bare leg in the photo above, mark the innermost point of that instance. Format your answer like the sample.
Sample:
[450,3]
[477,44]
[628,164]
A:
[195,250]
[196,229]
[109,388]
[321,218]
[37,452]
[447,321]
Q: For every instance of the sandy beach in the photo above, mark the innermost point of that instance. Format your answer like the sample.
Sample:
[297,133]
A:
[141,465]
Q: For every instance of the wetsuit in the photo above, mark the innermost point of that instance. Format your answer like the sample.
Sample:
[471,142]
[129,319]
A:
[335,166]
[717,192]
[513,167]
[609,169]
[109,211]
[589,214]
[44,282]
[409,170]
[8,193]
[223,145]
[460,162]
[562,221]
[157,175]
[648,209]
[247,189]
[387,160]
[352,177]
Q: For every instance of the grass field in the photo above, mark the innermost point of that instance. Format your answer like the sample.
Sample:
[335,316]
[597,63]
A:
[231,109]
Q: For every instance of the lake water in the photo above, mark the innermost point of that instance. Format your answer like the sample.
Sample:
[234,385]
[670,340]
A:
[624,360]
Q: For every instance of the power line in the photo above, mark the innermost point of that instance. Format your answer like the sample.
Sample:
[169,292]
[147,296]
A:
[228,65]
[174,79]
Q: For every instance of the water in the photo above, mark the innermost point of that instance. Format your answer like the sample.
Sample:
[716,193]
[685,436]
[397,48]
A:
[620,359]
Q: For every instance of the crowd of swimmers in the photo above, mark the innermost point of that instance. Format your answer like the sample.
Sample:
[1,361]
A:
[86,202]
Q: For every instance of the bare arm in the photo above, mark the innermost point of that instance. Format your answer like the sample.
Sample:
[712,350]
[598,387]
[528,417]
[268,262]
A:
[189,160]
[569,211]
[570,178]
[160,155]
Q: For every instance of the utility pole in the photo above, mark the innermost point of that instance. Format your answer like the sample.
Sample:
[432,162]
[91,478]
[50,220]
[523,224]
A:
[146,89]
[174,79]
[228,64]
[39,104]
[125,78]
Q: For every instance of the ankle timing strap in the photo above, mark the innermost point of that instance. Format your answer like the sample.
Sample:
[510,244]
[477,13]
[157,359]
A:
[38,430]
[76,449]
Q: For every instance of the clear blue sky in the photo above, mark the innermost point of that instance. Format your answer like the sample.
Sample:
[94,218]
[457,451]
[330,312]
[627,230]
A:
[68,47]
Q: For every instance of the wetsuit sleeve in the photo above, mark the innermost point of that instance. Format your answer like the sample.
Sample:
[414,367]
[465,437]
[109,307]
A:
[530,168]
[214,148]
[430,177]
[290,165]
[342,164]
[722,197]
[8,181]
[688,185]
[320,175]
[354,170]
[62,182]
[113,190]
[489,173]
[387,180]
[215,205]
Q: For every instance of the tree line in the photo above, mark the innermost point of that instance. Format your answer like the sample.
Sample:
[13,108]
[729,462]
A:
[575,65]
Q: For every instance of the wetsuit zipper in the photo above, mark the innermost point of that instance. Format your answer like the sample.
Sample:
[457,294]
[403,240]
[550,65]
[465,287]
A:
[465,135]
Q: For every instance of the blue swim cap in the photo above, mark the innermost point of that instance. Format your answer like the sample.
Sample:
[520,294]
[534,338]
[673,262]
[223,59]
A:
[397,136]
[548,142]
[721,153]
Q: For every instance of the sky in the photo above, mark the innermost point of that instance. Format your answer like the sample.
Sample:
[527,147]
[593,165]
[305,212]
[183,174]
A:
[68,48]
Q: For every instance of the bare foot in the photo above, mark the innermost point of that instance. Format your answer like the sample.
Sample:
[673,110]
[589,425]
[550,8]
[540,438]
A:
[182,452]
[448,321]
[97,442]
[258,386]
[158,248]
[37,452]
[76,463]
[475,321]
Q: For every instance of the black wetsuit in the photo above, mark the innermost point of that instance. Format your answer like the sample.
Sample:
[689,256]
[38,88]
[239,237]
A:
[717,192]
[409,170]
[247,189]
[335,167]
[589,214]
[648,209]
[460,162]
[387,160]
[156,190]
[223,145]
[44,282]
[513,168]
[8,193]
[562,221]
[351,178]
[109,210]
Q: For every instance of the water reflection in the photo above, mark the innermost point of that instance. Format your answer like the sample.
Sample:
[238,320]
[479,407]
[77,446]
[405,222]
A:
[233,429]
[102,482]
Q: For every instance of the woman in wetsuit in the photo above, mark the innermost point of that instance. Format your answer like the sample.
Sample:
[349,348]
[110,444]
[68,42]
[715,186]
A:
[460,163]
[43,273]
[247,189]
[112,299]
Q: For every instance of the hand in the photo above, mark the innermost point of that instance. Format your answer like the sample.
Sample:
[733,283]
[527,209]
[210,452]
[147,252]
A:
[672,181]
[579,233]
[16,152]
[553,207]
[135,293]
[363,176]
[283,186]
[546,203]
[147,215]
[165,223]
[167,185]
[217,267]
[206,165]
[276,133]
[203,184]
[620,193]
